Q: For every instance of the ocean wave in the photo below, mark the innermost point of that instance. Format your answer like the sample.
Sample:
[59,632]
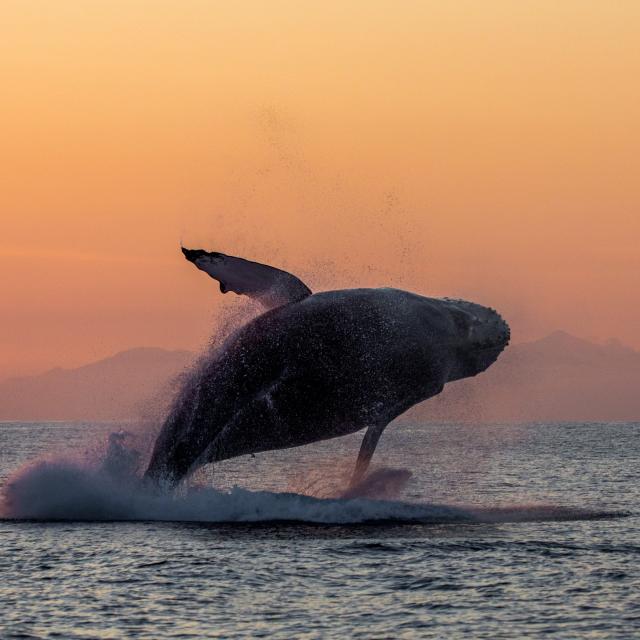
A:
[66,490]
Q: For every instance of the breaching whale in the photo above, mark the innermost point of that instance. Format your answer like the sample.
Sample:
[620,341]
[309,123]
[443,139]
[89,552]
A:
[317,366]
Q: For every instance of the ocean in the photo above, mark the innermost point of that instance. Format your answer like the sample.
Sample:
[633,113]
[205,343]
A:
[465,531]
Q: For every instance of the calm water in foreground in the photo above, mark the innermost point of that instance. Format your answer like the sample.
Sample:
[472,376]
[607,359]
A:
[464,550]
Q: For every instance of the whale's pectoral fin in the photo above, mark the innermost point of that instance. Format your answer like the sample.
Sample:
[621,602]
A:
[367,448]
[270,286]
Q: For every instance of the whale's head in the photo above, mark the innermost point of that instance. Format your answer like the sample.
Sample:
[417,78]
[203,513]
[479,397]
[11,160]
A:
[480,335]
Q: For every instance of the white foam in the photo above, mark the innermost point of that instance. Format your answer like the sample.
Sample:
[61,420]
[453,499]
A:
[107,487]
[61,490]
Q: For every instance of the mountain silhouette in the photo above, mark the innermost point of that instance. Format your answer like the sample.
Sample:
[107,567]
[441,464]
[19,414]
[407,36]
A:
[121,387]
[557,378]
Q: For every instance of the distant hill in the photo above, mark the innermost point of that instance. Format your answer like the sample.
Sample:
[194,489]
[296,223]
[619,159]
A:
[557,378]
[117,388]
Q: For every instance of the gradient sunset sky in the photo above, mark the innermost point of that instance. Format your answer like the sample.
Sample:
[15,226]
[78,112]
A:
[481,149]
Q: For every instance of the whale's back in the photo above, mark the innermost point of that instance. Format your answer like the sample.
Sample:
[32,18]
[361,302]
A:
[385,334]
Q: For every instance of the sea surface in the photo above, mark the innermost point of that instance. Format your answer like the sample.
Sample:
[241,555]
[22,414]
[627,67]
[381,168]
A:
[463,531]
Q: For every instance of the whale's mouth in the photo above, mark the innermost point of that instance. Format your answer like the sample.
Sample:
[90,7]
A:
[493,335]
[481,328]
[483,335]
[499,338]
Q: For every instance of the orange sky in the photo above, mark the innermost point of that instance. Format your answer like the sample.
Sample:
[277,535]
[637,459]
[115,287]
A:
[488,150]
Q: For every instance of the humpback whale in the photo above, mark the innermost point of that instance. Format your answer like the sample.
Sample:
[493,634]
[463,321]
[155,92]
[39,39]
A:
[316,366]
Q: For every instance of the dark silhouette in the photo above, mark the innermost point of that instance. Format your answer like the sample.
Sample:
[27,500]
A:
[318,366]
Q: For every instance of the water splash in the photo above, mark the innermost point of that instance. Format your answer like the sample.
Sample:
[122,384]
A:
[109,488]
[330,476]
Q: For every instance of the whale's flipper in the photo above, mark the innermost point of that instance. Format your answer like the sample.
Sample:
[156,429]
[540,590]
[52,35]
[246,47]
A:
[270,286]
[367,448]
